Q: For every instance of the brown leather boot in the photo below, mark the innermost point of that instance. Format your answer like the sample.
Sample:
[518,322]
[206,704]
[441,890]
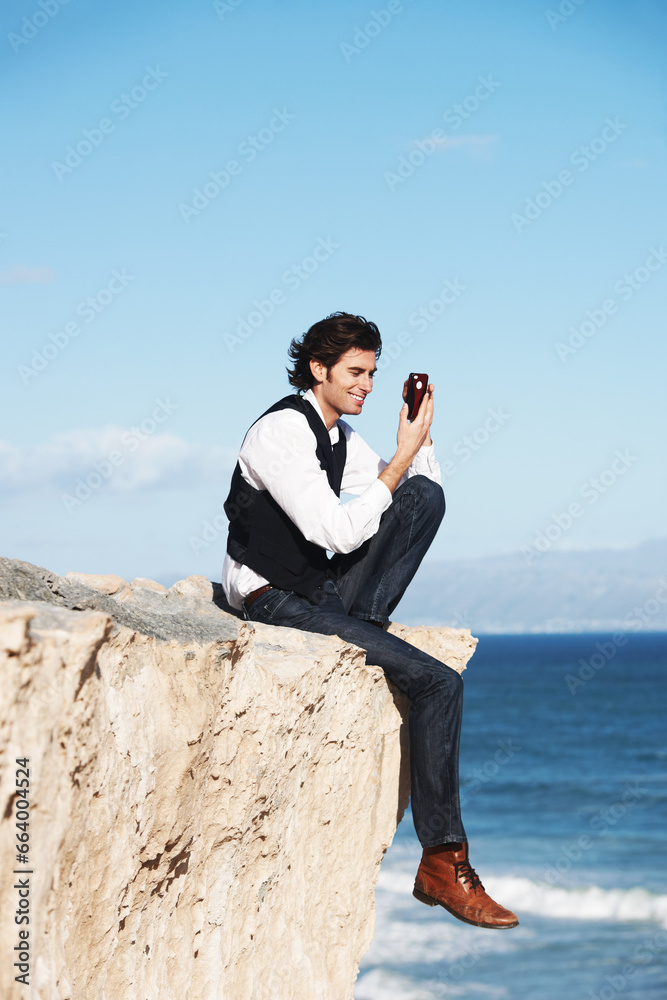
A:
[445,877]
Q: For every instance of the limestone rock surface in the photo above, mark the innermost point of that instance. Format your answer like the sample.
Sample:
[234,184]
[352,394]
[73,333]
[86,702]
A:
[210,799]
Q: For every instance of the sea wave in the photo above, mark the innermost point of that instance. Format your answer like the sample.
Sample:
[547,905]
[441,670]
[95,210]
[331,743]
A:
[381,984]
[579,902]
[576,902]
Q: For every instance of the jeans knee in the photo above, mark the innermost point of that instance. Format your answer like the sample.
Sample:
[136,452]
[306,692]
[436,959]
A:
[430,494]
[454,681]
[443,679]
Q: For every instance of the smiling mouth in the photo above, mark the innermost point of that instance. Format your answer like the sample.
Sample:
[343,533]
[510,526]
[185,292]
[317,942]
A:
[358,399]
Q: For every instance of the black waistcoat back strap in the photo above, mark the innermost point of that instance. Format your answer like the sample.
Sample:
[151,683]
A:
[262,536]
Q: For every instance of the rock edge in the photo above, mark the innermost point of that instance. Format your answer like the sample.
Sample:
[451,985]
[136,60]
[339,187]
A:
[210,798]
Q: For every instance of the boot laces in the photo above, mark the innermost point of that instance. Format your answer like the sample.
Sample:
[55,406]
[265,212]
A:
[468,875]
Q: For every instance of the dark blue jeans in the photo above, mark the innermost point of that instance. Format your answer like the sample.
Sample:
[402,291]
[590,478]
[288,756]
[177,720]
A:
[370,582]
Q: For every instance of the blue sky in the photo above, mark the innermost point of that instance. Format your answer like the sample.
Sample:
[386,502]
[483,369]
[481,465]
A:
[531,138]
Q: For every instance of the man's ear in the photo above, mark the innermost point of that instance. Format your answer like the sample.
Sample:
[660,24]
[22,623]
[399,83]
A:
[317,370]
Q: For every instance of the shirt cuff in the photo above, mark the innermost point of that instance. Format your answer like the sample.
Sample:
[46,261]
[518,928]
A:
[379,494]
[425,458]
[425,464]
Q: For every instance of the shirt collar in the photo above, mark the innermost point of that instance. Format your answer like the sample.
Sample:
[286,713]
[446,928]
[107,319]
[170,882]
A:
[334,433]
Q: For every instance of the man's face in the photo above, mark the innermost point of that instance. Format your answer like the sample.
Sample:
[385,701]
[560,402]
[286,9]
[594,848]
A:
[347,385]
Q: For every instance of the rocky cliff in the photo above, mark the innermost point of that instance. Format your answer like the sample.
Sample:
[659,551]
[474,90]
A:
[209,800]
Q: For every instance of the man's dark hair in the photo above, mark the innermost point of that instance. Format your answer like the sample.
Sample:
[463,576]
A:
[327,341]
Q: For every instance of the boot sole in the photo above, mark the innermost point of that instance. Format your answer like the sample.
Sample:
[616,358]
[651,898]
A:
[423,898]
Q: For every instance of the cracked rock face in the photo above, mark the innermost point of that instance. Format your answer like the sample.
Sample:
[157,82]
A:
[210,798]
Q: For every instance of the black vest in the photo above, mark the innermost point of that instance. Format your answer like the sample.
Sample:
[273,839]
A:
[262,536]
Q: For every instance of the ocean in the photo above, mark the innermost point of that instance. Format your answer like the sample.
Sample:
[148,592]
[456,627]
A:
[564,795]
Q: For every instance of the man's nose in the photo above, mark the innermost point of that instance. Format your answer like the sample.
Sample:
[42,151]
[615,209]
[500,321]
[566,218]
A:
[367,383]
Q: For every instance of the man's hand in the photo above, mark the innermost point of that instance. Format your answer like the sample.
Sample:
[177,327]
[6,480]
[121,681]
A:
[429,389]
[411,436]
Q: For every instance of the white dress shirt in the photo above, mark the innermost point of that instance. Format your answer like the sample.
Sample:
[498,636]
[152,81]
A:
[278,455]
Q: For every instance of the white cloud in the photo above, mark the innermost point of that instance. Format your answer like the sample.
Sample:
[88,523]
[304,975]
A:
[454,142]
[128,459]
[20,275]
[479,147]
[635,164]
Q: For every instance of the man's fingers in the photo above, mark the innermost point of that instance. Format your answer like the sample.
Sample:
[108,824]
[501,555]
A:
[426,401]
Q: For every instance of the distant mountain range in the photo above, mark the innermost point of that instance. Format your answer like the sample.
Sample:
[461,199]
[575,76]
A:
[598,590]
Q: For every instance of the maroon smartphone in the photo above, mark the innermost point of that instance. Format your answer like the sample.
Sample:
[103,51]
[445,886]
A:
[417,386]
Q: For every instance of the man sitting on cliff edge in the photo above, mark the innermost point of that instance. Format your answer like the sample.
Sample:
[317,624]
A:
[285,513]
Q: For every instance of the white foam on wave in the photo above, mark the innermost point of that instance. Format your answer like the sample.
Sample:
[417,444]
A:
[378,984]
[381,984]
[578,903]
[409,933]
[427,937]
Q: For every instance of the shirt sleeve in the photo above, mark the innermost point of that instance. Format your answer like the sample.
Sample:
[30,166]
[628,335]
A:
[278,455]
[363,465]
